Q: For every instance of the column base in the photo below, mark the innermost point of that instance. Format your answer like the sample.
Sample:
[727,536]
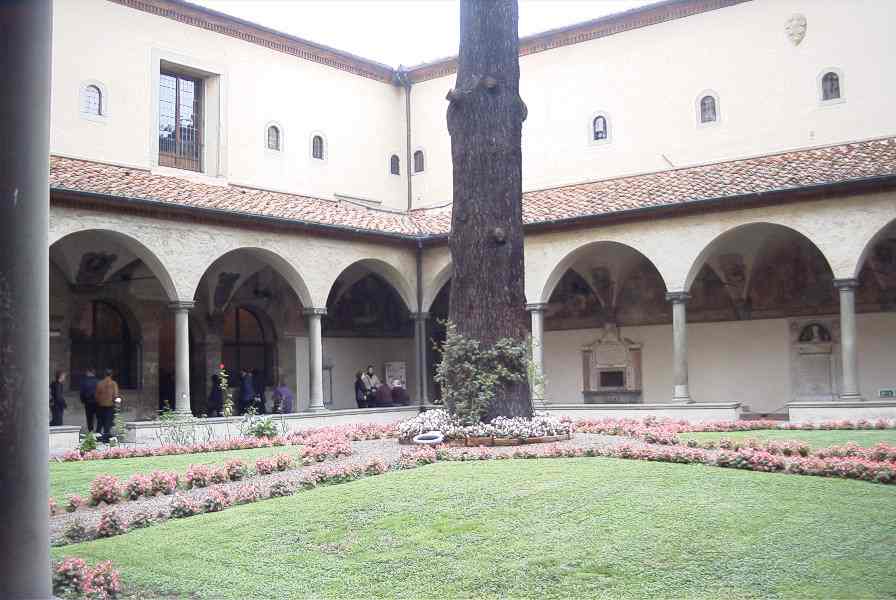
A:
[317,409]
[851,398]
[682,395]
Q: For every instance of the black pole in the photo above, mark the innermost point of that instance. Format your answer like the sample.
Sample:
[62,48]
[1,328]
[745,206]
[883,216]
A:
[25,34]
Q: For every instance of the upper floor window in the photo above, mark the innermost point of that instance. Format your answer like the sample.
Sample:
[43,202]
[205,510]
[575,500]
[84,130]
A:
[419,162]
[830,86]
[180,121]
[317,147]
[708,113]
[273,137]
[92,101]
[599,128]
[394,165]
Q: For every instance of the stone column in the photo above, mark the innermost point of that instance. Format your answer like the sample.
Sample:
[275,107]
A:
[680,392]
[315,359]
[182,357]
[849,388]
[25,27]
[420,320]
[537,312]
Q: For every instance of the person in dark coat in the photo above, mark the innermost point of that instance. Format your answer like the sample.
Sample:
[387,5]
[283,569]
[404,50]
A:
[360,390]
[247,391]
[88,397]
[400,394]
[57,399]
[258,384]
[215,398]
[283,398]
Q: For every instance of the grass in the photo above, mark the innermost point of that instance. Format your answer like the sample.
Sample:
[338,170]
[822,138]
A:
[816,439]
[567,528]
[75,477]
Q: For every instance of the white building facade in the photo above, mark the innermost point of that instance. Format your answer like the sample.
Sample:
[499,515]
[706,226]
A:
[709,201]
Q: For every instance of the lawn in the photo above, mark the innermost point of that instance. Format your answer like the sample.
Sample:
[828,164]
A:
[566,528]
[815,439]
[75,477]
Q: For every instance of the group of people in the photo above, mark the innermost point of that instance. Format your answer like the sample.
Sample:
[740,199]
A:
[250,396]
[371,393]
[97,396]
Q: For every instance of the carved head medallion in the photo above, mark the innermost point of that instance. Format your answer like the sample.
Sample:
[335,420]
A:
[796,28]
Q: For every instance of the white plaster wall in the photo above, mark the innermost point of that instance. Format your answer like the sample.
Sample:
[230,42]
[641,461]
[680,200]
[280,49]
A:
[648,80]
[115,45]
[738,361]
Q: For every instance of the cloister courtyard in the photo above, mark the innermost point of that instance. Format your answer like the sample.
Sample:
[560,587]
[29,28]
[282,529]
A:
[623,509]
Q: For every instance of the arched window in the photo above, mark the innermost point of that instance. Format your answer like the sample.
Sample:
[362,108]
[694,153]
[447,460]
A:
[92,99]
[244,344]
[273,137]
[317,147]
[830,86]
[394,165]
[101,339]
[419,162]
[708,110]
[599,128]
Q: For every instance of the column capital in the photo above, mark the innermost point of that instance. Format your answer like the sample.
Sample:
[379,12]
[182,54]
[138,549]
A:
[181,305]
[536,306]
[420,316]
[678,297]
[849,283]
[313,311]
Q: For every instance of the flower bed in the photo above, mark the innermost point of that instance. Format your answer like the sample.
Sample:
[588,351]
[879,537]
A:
[502,431]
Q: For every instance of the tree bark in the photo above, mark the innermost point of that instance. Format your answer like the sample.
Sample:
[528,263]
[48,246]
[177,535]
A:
[485,117]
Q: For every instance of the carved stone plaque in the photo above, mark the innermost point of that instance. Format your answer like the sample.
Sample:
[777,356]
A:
[814,358]
[796,28]
[814,375]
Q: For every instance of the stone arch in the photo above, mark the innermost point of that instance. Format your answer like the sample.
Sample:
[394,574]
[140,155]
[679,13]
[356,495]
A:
[717,244]
[387,272]
[132,245]
[435,286]
[879,235]
[580,252]
[270,258]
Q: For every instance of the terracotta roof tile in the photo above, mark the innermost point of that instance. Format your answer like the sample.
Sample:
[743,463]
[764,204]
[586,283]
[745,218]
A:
[788,170]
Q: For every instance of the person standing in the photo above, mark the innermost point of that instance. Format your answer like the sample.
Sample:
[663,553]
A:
[57,399]
[360,390]
[371,385]
[247,391]
[106,393]
[284,398]
[88,397]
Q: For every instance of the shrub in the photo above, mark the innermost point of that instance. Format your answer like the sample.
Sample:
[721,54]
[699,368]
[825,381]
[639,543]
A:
[111,523]
[375,466]
[138,485]
[264,466]
[163,482]
[236,469]
[218,475]
[198,476]
[280,488]
[70,577]
[470,375]
[246,493]
[105,582]
[218,499]
[74,502]
[283,462]
[183,506]
[263,428]
[105,488]
[141,520]
[75,532]
[88,444]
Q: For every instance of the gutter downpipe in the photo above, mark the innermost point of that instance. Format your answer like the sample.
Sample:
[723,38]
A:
[402,79]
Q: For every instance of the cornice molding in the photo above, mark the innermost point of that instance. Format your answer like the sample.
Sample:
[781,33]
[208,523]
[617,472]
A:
[252,33]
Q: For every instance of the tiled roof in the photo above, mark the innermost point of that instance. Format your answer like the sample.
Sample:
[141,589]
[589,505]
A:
[677,187]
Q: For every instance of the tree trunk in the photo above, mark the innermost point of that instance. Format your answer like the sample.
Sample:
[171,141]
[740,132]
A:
[485,118]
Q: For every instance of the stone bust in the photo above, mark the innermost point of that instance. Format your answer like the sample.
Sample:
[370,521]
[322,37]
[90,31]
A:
[796,28]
